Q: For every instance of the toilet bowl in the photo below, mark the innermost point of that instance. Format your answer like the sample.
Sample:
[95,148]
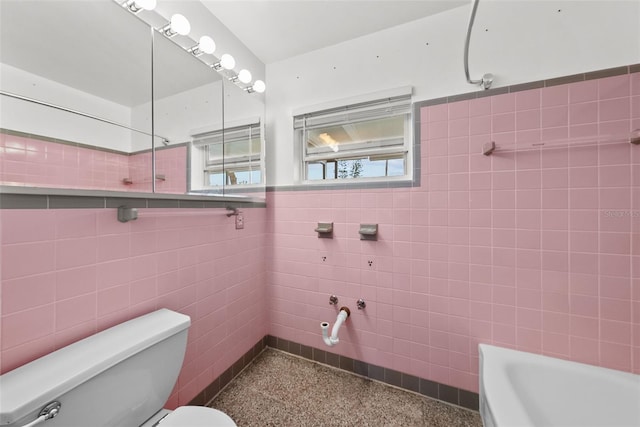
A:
[122,376]
[192,416]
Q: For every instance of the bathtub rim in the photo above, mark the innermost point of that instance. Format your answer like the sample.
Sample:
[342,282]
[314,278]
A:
[512,410]
[499,386]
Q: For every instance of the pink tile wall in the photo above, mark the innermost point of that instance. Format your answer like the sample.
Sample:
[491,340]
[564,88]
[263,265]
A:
[69,273]
[140,172]
[33,162]
[172,163]
[533,250]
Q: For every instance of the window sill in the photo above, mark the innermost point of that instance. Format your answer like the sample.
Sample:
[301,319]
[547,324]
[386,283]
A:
[403,182]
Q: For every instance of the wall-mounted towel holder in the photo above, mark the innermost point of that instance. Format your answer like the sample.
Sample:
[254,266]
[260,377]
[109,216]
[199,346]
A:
[632,138]
[324,230]
[126,214]
[159,177]
[368,231]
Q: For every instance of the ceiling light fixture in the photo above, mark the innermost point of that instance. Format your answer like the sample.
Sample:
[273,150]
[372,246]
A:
[205,45]
[178,25]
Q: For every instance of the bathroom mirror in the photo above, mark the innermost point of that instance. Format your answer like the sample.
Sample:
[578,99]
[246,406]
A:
[86,84]
[243,168]
[74,75]
[187,97]
[212,138]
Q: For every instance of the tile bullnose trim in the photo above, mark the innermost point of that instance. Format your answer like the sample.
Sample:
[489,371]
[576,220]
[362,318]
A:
[14,197]
[537,84]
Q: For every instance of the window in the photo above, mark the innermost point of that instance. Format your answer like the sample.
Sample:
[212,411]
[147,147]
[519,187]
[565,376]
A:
[364,141]
[235,160]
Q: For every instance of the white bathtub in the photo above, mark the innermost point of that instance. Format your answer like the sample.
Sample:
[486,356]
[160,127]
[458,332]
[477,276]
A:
[524,389]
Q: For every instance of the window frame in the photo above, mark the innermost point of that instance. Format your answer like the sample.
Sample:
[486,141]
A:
[205,166]
[398,103]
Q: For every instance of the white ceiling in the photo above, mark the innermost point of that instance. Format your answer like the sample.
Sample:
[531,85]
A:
[96,47]
[77,44]
[279,29]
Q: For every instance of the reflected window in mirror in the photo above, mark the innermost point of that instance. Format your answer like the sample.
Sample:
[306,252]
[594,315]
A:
[231,158]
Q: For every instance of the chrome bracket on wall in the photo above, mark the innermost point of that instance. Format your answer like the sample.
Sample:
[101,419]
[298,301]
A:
[126,214]
[488,148]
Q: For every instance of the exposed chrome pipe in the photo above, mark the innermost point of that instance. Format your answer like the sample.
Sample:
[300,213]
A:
[487,79]
[164,140]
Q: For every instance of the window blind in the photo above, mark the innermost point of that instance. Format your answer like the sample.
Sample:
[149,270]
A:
[387,107]
[234,134]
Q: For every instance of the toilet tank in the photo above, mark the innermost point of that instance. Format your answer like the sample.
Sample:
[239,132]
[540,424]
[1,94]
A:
[119,377]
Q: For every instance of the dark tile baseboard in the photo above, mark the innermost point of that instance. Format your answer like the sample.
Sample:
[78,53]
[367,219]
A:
[432,389]
[206,395]
[466,399]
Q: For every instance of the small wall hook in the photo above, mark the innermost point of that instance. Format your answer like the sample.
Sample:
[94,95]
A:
[234,211]
[361,304]
[333,300]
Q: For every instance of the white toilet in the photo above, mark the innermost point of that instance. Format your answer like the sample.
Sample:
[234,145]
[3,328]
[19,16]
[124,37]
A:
[119,377]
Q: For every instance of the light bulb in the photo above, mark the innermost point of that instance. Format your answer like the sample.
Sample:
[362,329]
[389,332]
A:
[259,86]
[244,76]
[180,24]
[227,62]
[145,4]
[207,45]
[136,6]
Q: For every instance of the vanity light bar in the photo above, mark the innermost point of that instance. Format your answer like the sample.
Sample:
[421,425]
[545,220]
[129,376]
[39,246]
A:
[179,24]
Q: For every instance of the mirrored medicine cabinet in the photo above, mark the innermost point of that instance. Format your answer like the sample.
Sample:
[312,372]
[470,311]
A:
[95,98]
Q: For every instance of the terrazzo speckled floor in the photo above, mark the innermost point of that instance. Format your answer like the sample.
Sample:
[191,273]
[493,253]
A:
[279,389]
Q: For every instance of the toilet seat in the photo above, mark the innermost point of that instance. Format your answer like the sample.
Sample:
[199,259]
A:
[197,416]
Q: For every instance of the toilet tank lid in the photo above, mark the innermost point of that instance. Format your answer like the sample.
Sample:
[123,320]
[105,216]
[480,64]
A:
[35,384]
